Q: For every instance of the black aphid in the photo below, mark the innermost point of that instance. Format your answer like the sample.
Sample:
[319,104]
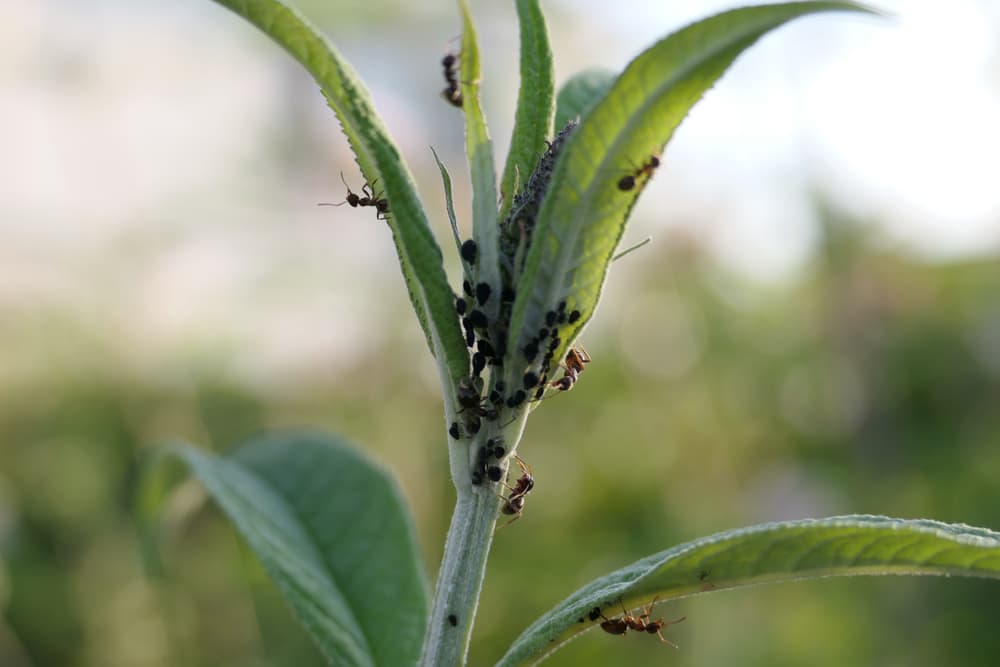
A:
[478,319]
[469,251]
[530,380]
[483,291]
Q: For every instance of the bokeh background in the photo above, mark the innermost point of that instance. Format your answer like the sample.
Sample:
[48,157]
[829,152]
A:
[814,329]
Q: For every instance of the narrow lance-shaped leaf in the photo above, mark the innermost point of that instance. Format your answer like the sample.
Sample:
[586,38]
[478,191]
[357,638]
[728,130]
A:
[449,202]
[840,546]
[481,168]
[584,214]
[383,167]
[332,531]
[533,117]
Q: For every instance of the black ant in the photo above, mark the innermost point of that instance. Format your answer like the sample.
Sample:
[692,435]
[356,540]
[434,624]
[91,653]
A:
[626,183]
[514,502]
[451,92]
[640,623]
[369,198]
[576,358]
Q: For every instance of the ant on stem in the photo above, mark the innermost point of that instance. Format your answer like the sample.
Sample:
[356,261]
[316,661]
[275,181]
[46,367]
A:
[514,502]
[574,364]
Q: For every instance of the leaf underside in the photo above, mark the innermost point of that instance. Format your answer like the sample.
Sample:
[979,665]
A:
[839,546]
[332,531]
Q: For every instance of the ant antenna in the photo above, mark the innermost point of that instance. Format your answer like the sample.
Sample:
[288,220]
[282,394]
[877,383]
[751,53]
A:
[352,198]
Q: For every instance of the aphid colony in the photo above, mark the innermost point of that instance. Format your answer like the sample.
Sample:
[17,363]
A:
[487,342]
[485,312]
[517,228]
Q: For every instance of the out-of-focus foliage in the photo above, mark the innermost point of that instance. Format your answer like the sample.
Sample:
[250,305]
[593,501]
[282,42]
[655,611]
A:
[870,385]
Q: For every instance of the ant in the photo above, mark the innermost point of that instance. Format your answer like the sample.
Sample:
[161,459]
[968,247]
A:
[514,502]
[640,623]
[626,183]
[576,358]
[369,198]
[451,93]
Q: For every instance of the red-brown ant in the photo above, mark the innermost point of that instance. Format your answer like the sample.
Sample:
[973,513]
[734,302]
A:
[514,502]
[626,183]
[451,93]
[366,198]
[576,358]
[640,623]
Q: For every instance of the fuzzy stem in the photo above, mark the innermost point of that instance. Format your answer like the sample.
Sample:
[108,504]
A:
[466,550]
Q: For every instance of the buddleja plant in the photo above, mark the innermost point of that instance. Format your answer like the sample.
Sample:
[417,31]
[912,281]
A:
[331,527]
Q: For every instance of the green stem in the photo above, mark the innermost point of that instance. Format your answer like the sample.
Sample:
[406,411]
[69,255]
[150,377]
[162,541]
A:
[460,579]
[466,550]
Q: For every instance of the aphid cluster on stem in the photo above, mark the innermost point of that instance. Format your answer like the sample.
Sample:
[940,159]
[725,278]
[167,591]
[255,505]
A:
[492,392]
[544,344]
[517,228]
[488,457]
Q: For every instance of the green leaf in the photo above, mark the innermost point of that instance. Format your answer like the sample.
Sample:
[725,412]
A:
[333,533]
[533,117]
[479,149]
[581,92]
[840,546]
[380,160]
[584,214]
[449,202]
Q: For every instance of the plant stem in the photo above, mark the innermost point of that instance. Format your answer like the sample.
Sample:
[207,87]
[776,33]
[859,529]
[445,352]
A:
[460,579]
[463,566]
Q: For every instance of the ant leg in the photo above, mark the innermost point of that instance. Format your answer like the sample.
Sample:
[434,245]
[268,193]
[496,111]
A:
[517,515]
[648,609]
[525,468]
[667,625]
[366,190]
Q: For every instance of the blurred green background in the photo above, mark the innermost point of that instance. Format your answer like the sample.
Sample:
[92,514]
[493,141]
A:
[805,347]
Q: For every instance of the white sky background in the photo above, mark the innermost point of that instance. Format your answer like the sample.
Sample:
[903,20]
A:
[160,162]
